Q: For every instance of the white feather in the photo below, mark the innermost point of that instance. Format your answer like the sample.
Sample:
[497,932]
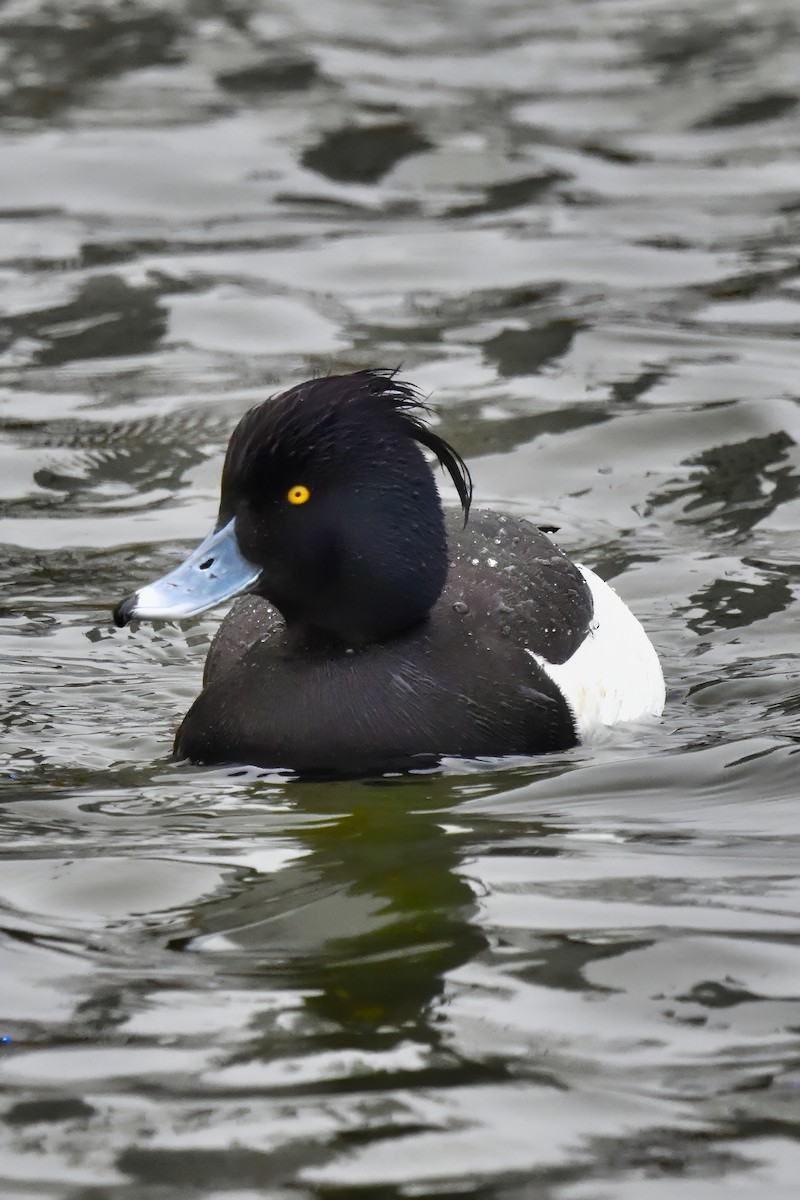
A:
[614,676]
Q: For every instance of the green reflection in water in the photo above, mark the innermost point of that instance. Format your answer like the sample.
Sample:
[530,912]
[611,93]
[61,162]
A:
[369,920]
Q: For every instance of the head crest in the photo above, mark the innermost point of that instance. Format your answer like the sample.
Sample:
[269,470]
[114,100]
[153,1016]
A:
[312,412]
[411,409]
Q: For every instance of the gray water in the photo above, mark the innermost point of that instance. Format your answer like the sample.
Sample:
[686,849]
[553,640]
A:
[574,224]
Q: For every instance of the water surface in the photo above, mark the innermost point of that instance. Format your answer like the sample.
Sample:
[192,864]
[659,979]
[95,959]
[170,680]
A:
[576,226]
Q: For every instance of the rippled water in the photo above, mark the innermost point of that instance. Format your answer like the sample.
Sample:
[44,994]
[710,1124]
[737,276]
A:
[576,225]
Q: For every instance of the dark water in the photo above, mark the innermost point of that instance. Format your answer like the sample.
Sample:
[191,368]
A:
[576,224]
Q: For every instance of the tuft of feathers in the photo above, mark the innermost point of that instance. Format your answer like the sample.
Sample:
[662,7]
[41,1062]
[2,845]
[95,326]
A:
[301,420]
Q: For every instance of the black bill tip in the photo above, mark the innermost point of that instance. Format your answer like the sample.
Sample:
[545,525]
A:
[123,613]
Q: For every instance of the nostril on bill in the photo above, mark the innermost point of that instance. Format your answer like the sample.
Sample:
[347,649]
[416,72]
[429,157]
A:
[209,562]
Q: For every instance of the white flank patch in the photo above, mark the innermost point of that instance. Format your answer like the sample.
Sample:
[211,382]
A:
[614,676]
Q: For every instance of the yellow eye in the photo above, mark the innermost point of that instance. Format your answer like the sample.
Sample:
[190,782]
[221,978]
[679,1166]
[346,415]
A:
[298,494]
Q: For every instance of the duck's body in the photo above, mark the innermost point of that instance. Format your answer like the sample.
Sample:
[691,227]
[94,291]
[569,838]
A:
[459,683]
[400,638]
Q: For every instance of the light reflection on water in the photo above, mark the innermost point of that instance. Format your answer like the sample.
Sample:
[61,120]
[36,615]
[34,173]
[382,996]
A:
[576,226]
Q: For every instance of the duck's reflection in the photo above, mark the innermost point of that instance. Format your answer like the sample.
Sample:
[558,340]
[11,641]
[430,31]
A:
[368,921]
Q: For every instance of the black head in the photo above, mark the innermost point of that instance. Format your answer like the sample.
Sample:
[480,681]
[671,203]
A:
[332,498]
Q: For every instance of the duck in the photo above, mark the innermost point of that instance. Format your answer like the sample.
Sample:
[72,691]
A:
[373,630]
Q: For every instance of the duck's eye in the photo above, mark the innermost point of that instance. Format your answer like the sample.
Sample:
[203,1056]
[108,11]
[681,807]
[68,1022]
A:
[298,494]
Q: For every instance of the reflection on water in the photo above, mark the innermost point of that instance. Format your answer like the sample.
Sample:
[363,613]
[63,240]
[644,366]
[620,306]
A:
[738,484]
[575,225]
[368,919]
[105,313]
